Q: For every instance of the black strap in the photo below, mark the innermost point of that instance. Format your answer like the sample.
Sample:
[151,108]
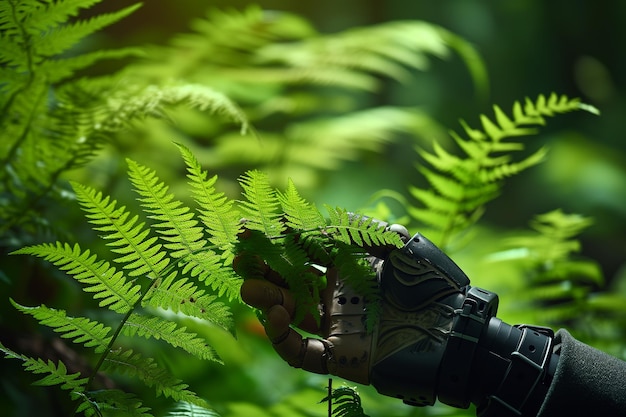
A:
[455,377]
[527,378]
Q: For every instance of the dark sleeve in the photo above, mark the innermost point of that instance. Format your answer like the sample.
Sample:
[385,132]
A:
[587,382]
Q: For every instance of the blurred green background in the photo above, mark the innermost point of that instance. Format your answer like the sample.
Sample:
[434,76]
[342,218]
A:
[528,47]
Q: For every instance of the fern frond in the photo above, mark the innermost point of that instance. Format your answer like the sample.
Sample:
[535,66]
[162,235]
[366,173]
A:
[325,142]
[174,222]
[142,256]
[98,276]
[347,402]
[158,328]
[184,239]
[299,214]
[185,297]
[146,369]
[554,236]
[362,231]
[260,207]
[558,279]
[388,49]
[60,38]
[462,185]
[112,402]
[151,100]
[184,409]
[217,212]
[60,69]
[79,329]
[55,374]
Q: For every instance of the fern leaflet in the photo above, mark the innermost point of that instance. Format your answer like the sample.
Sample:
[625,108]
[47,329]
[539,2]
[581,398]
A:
[361,231]
[346,401]
[185,297]
[260,207]
[55,374]
[112,402]
[216,211]
[141,255]
[82,330]
[159,328]
[299,214]
[98,276]
[184,409]
[147,370]
[461,186]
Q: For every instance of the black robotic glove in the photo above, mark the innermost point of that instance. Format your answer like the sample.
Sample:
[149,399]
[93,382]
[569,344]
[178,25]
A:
[437,337]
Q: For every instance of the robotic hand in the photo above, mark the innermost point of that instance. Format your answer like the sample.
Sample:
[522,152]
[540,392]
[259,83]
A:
[437,336]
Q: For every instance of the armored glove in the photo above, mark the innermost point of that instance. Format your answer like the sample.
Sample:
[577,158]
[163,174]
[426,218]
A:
[436,337]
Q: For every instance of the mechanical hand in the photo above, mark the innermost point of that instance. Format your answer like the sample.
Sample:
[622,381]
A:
[436,337]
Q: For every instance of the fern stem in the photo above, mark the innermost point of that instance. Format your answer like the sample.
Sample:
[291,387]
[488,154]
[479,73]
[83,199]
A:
[330,397]
[119,328]
[4,113]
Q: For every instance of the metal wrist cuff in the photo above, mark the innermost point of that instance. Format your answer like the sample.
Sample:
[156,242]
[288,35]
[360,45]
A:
[454,382]
[524,385]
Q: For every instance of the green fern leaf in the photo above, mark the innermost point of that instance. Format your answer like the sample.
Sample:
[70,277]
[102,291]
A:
[184,409]
[55,374]
[260,208]
[347,403]
[158,328]
[216,211]
[174,222]
[185,297]
[461,186]
[501,171]
[98,276]
[361,231]
[183,236]
[61,38]
[558,280]
[143,101]
[134,364]
[80,329]
[112,402]
[299,214]
[42,17]
[141,255]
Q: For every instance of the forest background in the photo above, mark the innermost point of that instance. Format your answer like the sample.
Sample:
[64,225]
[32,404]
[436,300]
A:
[527,47]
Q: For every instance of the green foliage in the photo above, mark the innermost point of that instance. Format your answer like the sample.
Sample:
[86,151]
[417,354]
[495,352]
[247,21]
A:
[558,283]
[52,122]
[55,374]
[42,132]
[300,236]
[461,186]
[171,263]
[184,409]
[346,402]
[307,93]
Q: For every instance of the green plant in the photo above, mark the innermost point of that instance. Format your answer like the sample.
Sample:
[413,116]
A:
[558,282]
[174,263]
[461,186]
[307,95]
[345,402]
[51,121]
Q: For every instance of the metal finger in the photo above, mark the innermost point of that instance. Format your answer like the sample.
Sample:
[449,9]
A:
[263,295]
[307,353]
